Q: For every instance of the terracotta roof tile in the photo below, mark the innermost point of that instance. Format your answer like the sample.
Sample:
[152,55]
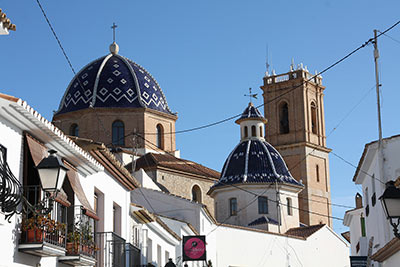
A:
[304,231]
[153,160]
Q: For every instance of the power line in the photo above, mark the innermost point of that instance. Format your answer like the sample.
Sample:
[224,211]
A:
[356,167]
[245,190]
[369,41]
[390,37]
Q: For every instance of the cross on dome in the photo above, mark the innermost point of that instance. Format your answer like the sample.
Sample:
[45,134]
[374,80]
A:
[250,95]
[114,48]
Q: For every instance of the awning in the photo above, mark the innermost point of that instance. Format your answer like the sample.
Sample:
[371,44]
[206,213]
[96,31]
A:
[73,178]
[38,152]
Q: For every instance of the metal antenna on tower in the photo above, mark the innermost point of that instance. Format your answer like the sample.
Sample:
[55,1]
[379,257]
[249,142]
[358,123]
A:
[266,60]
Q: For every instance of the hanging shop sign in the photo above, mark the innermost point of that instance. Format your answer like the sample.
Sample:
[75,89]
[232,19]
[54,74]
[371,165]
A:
[194,248]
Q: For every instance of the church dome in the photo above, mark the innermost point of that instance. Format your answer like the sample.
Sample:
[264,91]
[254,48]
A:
[254,160]
[113,81]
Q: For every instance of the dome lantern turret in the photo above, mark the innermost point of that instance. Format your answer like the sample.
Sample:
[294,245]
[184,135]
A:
[251,124]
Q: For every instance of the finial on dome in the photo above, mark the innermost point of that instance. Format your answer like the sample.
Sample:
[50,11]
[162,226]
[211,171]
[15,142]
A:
[114,48]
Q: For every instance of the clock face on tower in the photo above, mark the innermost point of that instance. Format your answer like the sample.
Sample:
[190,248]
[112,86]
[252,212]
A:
[194,248]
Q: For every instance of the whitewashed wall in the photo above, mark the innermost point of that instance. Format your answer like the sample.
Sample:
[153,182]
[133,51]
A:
[241,248]
[250,213]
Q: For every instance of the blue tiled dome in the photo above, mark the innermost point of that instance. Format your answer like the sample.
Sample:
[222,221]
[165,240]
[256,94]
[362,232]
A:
[113,81]
[255,161]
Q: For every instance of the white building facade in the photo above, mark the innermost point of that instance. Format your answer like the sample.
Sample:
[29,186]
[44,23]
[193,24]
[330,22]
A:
[370,232]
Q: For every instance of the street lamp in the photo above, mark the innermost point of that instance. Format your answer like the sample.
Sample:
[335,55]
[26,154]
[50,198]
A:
[391,205]
[52,174]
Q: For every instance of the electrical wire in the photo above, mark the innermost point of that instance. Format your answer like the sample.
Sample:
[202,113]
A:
[369,41]
[245,190]
[390,37]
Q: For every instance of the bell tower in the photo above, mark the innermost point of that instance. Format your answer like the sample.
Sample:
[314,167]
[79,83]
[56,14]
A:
[294,108]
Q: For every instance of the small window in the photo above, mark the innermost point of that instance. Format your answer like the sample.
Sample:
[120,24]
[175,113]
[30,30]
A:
[262,205]
[314,127]
[317,172]
[118,132]
[283,118]
[289,206]
[232,206]
[253,130]
[261,133]
[246,134]
[196,194]
[74,130]
[160,136]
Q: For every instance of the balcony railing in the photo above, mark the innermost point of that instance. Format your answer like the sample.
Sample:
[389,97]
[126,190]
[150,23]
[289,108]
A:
[111,250]
[132,256]
[42,234]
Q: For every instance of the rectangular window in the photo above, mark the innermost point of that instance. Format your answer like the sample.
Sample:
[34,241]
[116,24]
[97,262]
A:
[289,206]
[149,254]
[159,255]
[166,257]
[262,205]
[233,206]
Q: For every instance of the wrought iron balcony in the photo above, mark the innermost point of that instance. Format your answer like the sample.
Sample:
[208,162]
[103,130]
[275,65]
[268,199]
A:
[111,250]
[42,234]
[81,247]
[132,256]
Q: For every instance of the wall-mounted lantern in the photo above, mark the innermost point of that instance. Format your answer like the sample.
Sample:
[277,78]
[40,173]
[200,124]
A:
[391,205]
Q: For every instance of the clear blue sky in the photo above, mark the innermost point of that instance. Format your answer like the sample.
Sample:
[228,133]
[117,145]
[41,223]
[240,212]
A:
[206,54]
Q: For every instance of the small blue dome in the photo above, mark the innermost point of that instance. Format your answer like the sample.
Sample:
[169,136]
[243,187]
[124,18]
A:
[113,81]
[251,112]
[255,161]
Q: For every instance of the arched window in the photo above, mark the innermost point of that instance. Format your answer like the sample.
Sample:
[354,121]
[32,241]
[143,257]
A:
[314,126]
[74,130]
[232,206]
[261,133]
[160,136]
[118,132]
[196,194]
[262,205]
[289,206]
[253,130]
[283,118]
[246,134]
[317,172]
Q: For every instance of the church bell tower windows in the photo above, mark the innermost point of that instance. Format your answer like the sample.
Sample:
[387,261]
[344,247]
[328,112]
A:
[314,127]
[118,132]
[283,118]
[74,130]
[160,136]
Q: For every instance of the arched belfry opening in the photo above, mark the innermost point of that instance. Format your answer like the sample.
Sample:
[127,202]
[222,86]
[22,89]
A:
[314,126]
[284,118]
[160,136]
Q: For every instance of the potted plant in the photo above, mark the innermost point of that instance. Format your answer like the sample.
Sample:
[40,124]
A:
[73,241]
[33,228]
